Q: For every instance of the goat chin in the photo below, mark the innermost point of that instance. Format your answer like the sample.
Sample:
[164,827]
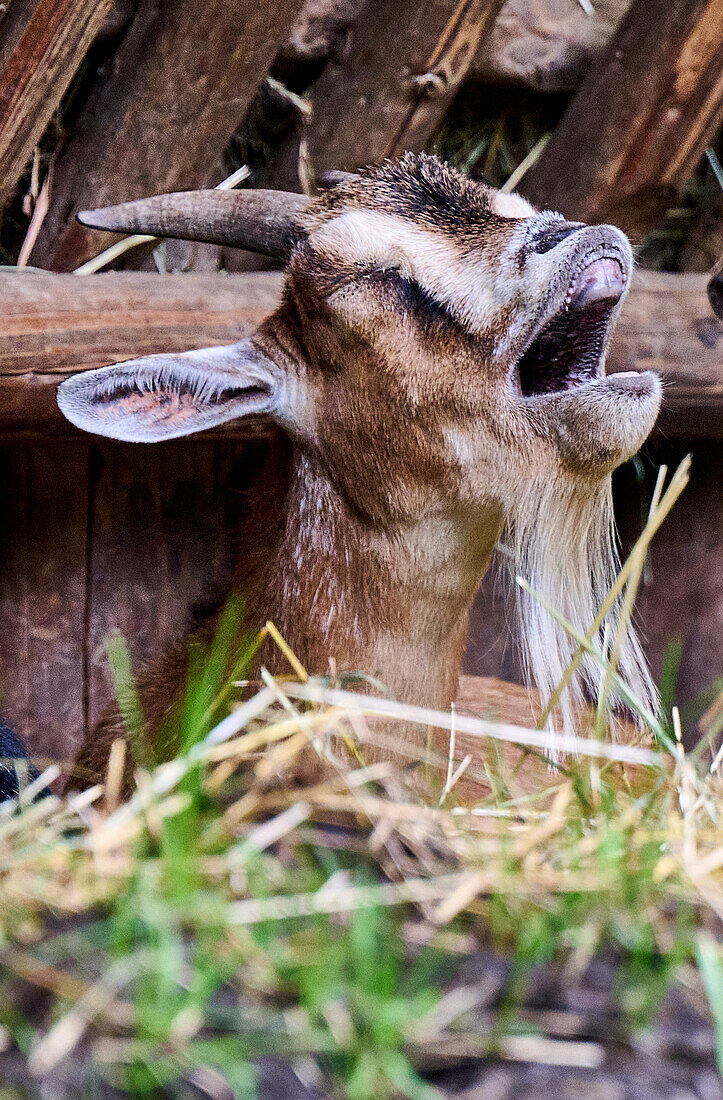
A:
[562,539]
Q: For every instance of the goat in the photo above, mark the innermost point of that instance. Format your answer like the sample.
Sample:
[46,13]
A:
[435,375]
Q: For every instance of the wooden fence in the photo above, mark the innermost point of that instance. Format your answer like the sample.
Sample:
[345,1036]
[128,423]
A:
[97,536]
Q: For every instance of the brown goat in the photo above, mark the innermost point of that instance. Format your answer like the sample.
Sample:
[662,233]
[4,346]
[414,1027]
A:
[435,373]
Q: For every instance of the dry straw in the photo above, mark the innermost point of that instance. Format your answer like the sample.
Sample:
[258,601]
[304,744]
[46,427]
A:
[613,815]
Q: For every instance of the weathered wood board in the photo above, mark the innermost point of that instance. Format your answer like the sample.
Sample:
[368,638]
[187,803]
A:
[93,539]
[162,114]
[37,75]
[43,549]
[54,325]
[159,517]
[640,121]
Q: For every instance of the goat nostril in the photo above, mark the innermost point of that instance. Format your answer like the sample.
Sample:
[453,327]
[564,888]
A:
[550,238]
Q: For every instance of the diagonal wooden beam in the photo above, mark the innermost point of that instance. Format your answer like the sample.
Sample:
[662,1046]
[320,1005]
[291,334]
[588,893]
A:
[175,93]
[400,67]
[403,63]
[640,120]
[37,75]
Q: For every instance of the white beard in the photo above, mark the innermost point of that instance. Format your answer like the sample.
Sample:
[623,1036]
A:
[562,538]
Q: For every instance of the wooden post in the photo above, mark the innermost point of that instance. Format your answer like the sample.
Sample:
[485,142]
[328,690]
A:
[37,74]
[13,24]
[176,91]
[640,120]
[43,548]
[54,325]
[403,63]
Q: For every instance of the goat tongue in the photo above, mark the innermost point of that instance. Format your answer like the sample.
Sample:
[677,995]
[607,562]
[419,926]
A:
[600,281]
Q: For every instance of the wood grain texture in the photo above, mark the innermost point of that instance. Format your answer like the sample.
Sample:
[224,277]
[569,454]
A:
[37,75]
[174,94]
[402,64]
[641,119]
[43,527]
[667,325]
[54,325]
[161,543]
[13,25]
[95,539]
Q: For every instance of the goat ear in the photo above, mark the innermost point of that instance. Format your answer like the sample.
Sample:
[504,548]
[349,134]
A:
[167,396]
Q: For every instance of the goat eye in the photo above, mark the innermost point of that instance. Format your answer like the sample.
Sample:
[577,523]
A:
[404,294]
[375,276]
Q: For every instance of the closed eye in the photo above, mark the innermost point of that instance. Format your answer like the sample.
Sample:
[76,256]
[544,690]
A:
[411,296]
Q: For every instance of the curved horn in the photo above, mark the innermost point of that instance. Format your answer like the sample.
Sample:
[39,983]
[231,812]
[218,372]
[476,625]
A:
[259,220]
[333,178]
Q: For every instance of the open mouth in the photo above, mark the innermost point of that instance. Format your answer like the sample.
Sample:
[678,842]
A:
[568,350]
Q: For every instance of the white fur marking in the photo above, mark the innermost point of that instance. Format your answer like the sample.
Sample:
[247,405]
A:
[512,205]
[470,286]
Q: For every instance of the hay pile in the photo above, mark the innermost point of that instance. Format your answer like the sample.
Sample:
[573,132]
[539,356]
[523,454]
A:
[238,905]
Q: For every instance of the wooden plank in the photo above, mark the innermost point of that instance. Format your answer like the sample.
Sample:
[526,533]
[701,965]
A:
[54,325]
[15,676]
[132,549]
[401,66]
[43,527]
[681,597]
[160,544]
[178,87]
[37,76]
[641,119]
[667,325]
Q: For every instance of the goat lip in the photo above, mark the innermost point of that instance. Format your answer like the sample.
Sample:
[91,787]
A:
[602,280]
[632,382]
[568,348]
